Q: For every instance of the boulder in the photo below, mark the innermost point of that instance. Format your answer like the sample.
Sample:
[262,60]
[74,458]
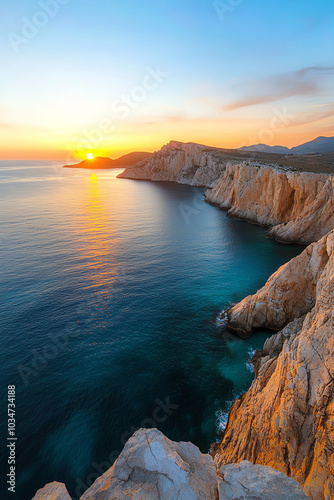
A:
[256,482]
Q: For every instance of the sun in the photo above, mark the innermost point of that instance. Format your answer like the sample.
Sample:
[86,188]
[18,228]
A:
[90,156]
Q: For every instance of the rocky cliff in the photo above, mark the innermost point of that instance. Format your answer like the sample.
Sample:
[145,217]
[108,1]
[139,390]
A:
[151,467]
[286,419]
[297,206]
[191,164]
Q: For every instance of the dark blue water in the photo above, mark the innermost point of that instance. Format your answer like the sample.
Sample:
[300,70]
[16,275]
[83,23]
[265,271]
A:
[109,300]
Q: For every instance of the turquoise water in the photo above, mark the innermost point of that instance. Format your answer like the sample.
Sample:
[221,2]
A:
[110,290]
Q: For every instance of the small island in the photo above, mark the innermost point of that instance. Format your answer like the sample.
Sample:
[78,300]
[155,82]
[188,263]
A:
[100,162]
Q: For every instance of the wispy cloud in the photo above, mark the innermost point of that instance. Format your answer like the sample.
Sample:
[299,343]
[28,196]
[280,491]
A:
[313,116]
[306,81]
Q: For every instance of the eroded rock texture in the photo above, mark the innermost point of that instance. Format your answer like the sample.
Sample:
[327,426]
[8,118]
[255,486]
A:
[289,293]
[286,419]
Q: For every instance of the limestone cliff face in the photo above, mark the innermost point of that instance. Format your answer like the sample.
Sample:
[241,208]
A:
[152,467]
[191,164]
[286,419]
[297,206]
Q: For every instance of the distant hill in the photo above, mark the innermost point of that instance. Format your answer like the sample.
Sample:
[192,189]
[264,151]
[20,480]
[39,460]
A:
[319,145]
[100,162]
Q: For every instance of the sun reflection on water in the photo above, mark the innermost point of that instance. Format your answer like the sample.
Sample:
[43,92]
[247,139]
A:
[101,243]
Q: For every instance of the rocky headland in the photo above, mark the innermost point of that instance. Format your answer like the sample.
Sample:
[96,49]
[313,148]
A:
[279,439]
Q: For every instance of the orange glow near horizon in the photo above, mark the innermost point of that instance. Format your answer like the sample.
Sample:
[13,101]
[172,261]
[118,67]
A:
[151,136]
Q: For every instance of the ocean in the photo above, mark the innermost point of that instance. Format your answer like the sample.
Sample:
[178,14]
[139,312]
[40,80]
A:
[110,293]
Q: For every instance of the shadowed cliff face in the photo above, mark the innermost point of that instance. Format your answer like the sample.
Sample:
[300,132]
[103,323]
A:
[286,419]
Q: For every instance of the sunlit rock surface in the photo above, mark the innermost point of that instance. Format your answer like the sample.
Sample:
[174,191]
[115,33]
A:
[151,467]
[191,164]
[289,293]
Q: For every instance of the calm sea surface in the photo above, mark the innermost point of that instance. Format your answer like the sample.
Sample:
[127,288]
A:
[110,290]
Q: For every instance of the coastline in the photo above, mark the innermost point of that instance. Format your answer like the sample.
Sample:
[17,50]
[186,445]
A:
[243,190]
[303,214]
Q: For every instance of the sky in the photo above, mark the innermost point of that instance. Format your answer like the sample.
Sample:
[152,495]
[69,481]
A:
[108,78]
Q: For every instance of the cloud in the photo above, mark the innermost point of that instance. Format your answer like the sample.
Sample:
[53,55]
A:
[306,81]
[313,117]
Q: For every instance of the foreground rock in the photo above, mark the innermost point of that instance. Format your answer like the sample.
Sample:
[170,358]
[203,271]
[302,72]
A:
[151,467]
[247,481]
[52,491]
[286,419]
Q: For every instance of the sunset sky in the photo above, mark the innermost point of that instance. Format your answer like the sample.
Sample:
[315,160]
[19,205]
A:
[112,77]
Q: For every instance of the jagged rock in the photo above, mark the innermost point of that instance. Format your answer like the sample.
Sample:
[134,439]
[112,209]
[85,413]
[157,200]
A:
[151,467]
[286,419]
[255,482]
[53,491]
